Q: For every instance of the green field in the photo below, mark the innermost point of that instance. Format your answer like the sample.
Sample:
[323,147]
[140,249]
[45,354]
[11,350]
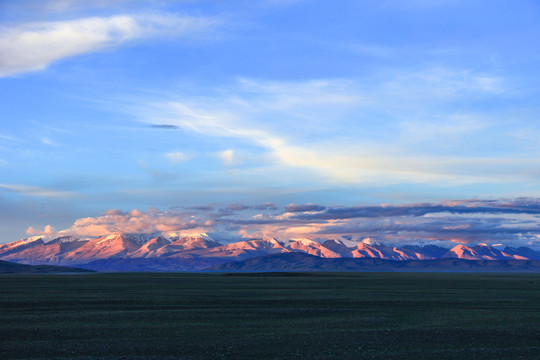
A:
[270,316]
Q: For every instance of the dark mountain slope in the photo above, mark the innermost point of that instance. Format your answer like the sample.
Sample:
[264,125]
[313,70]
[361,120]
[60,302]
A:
[7,267]
[297,261]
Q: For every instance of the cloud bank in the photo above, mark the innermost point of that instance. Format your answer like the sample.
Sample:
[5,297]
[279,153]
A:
[512,222]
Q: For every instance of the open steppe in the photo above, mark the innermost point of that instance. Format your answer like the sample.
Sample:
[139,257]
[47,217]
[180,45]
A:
[270,316]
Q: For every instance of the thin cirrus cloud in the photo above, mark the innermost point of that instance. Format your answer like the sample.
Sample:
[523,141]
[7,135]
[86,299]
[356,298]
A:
[328,126]
[35,191]
[34,46]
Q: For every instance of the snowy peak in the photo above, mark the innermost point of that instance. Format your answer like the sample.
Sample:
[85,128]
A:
[477,252]
[151,248]
[461,252]
[63,240]
[371,249]
[427,251]
[248,248]
[22,242]
[489,253]
[263,243]
[139,238]
[199,241]
[522,253]
[347,242]
[313,248]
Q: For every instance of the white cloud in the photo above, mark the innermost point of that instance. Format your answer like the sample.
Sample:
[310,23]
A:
[227,156]
[34,46]
[136,221]
[47,230]
[439,83]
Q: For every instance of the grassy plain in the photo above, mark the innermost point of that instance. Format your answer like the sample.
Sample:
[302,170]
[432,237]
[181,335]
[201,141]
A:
[270,316]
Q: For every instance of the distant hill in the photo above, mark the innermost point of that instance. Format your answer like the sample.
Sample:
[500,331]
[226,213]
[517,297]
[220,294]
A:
[152,264]
[7,267]
[297,261]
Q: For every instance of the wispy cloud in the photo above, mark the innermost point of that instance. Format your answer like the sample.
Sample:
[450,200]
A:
[177,157]
[7,137]
[34,46]
[304,207]
[325,126]
[35,191]
[48,141]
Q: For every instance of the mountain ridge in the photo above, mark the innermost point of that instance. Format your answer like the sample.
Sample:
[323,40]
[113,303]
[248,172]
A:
[7,267]
[294,262]
[198,251]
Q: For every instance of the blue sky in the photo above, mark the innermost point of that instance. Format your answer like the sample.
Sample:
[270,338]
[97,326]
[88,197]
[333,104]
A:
[180,104]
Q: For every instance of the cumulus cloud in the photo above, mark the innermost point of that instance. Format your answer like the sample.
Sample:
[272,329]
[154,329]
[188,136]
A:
[47,230]
[33,46]
[136,221]
[227,156]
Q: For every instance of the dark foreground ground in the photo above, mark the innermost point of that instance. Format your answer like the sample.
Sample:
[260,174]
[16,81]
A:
[270,316]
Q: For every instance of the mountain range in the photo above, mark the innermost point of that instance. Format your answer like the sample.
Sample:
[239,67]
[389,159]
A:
[169,252]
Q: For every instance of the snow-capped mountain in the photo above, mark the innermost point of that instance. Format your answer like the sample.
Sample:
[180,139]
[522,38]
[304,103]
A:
[186,243]
[110,246]
[313,248]
[479,252]
[427,251]
[40,252]
[522,251]
[20,245]
[240,250]
[341,246]
[151,248]
[203,249]
[380,251]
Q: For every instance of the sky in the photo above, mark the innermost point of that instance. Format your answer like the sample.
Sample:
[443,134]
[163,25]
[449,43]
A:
[223,116]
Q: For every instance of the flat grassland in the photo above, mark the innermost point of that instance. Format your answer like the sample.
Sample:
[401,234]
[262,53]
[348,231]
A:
[270,316]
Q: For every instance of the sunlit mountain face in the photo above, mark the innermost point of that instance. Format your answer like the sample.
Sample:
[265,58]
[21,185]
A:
[129,251]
